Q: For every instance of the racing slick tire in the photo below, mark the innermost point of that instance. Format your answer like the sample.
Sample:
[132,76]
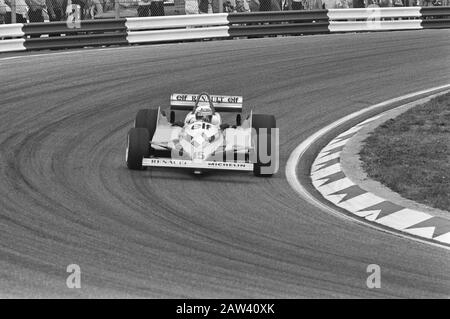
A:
[138,147]
[267,122]
[147,118]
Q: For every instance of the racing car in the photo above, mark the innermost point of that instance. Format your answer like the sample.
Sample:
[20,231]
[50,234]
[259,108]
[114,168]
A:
[200,141]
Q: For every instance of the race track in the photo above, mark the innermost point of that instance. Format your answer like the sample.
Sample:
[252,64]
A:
[67,197]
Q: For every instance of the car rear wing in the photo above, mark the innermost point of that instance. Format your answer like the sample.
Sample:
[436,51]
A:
[222,103]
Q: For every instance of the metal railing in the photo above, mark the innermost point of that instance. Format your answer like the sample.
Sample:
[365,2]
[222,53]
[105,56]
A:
[33,11]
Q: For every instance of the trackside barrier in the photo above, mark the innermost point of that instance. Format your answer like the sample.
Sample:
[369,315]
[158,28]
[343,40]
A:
[278,23]
[59,35]
[177,34]
[171,22]
[374,13]
[376,25]
[11,30]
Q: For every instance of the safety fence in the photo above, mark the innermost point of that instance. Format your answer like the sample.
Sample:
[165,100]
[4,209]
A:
[104,32]
[58,10]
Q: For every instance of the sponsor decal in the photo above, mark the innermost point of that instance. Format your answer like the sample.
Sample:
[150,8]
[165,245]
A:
[188,163]
[169,162]
[224,164]
[217,99]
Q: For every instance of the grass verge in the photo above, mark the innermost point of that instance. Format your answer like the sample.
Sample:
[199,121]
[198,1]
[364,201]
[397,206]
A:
[410,154]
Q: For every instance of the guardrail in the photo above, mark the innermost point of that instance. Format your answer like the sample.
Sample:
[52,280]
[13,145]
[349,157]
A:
[55,35]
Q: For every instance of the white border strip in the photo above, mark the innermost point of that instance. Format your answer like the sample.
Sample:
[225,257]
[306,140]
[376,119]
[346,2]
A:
[12,45]
[296,155]
[374,13]
[216,19]
[177,34]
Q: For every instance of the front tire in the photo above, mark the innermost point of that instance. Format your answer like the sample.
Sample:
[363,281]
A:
[138,147]
[262,125]
[147,118]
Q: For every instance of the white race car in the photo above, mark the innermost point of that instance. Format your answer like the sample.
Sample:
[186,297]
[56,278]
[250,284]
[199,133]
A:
[201,141]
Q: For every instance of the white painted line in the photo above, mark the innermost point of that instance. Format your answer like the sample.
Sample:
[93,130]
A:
[298,152]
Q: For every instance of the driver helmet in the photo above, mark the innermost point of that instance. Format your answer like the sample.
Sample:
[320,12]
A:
[204,114]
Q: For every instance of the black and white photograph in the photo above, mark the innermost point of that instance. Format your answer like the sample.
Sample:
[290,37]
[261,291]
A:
[225,158]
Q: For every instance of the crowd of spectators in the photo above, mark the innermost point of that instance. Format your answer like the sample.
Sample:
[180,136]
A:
[212,6]
[57,10]
[51,10]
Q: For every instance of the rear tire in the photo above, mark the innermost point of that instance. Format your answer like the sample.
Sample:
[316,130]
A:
[138,147]
[267,122]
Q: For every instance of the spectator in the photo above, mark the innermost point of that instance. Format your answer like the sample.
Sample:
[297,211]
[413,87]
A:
[4,8]
[216,6]
[385,3]
[35,13]
[157,8]
[56,9]
[94,8]
[229,6]
[342,4]
[242,6]
[191,7]
[297,5]
[330,4]
[358,4]
[143,9]
[269,5]
[276,5]
[265,5]
[203,6]
[150,7]
[83,7]
[314,4]
[254,5]
[21,11]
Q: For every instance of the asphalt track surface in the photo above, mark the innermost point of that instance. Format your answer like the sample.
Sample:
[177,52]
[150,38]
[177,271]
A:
[66,196]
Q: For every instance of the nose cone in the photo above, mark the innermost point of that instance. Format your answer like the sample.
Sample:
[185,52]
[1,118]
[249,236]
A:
[197,140]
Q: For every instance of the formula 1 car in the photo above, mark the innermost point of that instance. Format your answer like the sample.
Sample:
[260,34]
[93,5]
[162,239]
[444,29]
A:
[201,141]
